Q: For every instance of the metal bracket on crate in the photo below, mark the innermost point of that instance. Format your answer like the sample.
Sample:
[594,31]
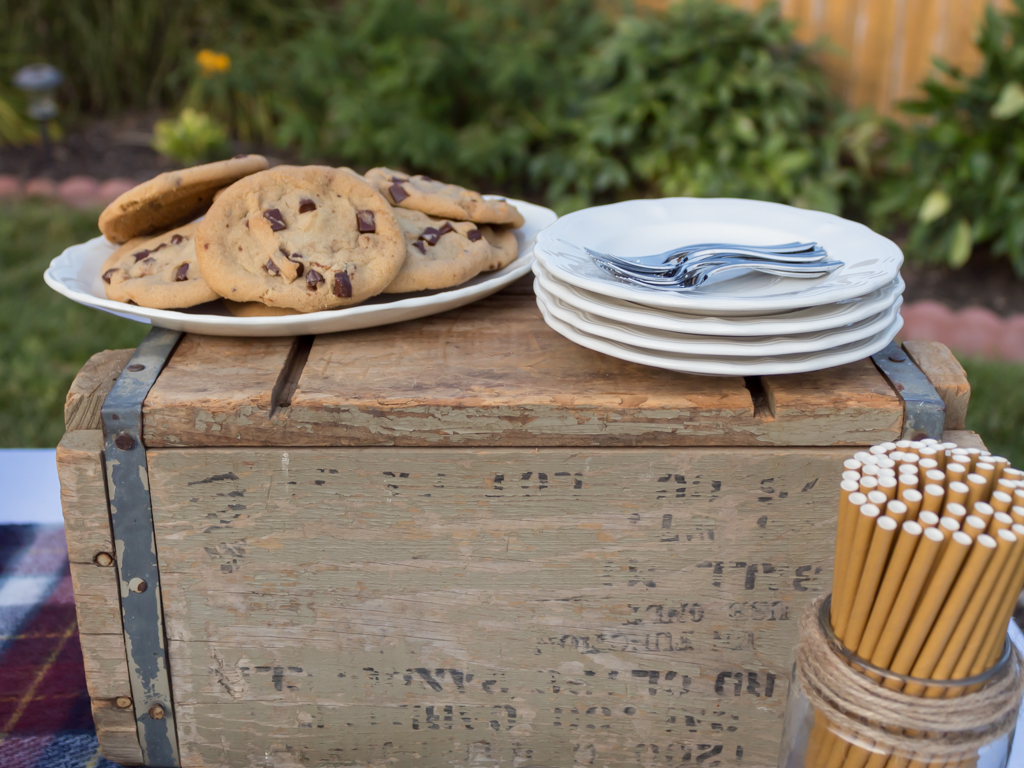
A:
[131,520]
[924,412]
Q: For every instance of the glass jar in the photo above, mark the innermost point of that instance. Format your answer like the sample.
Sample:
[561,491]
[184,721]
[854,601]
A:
[818,734]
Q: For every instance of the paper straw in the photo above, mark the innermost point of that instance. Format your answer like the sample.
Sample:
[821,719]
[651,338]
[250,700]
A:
[909,592]
[1003,485]
[878,498]
[913,500]
[1013,474]
[1017,513]
[952,610]
[864,457]
[910,459]
[930,605]
[928,465]
[870,470]
[868,483]
[874,569]
[868,513]
[1000,522]
[877,449]
[928,519]
[956,511]
[885,462]
[902,554]
[933,496]
[1000,501]
[976,484]
[955,472]
[1018,497]
[909,469]
[983,510]
[956,492]
[989,652]
[844,532]
[852,464]
[889,446]
[992,601]
[886,472]
[936,476]
[852,476]
[906,482]
[1000,463]
[988,471]
[974,526]
[819,734]
[949,525]
[897,510]
[903,445]
[1006,545]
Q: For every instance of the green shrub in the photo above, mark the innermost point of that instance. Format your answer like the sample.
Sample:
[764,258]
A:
[191,138]
[953,178]
[704,100]
[454,88]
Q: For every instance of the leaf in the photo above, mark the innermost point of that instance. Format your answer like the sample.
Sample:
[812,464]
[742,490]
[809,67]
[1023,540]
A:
[963,242]
[1010,102]
[934,207]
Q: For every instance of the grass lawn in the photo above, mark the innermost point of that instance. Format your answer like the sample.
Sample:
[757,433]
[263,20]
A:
[45,339]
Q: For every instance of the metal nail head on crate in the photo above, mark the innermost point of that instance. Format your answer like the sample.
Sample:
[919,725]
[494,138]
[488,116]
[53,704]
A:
[143,600]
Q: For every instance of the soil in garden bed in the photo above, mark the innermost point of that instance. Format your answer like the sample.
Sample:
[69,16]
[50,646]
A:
[984,281]
[103,149]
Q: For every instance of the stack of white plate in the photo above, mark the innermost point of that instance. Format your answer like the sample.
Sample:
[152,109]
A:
[748,325]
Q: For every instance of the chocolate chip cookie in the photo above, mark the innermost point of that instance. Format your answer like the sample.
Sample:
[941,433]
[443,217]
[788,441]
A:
[173,198]
[504,247]
[446,201]
[307,238]
[439,253]
[159,272]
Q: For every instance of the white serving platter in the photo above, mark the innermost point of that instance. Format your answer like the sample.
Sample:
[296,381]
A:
[640,227]
[76,274]
[716,346]
[808,320]
[727,366]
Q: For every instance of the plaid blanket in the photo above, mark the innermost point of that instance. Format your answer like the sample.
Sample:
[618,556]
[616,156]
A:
[45,718]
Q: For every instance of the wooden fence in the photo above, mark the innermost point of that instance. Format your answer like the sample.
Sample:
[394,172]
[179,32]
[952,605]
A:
[880,50]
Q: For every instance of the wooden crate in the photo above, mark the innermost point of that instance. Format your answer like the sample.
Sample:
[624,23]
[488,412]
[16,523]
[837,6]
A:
[466,541]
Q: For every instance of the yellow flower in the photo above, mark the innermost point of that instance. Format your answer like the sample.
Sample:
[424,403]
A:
[213,62]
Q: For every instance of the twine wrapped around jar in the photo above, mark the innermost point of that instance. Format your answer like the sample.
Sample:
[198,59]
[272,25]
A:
[880,722]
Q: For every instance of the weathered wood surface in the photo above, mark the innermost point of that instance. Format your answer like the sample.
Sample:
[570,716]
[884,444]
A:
[964,438]
[117,733]
[554,607]
[96,599]
[90,387]
[947,376]
[852,401]
[489,374]
[106,668]
[216,389]
[83,495]
[87,528]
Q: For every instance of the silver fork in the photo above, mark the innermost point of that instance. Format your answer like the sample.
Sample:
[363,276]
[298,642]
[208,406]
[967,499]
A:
[695,276]
[672,260]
